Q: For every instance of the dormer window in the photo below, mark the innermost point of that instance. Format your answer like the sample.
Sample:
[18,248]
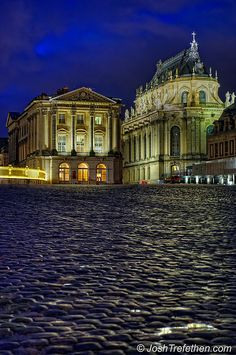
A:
[98,120]
[62,118]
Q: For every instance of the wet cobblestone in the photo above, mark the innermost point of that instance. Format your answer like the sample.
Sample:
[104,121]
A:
[98,270]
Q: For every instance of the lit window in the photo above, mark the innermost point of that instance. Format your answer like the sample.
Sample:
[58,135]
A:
[62,118]
[98,143]
[82,172]
[202,97]
[80,119]
[98,120]
[80,142]
[64,172]
[61,143]
[175,141]
[101,173]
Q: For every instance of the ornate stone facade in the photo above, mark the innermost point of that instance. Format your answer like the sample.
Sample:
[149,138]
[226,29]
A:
[165,134]
[221,164]
[73,135]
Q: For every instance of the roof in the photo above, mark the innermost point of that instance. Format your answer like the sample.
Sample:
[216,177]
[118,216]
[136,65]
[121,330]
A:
[14,115]
[230,110]
[3,142]
[183,63]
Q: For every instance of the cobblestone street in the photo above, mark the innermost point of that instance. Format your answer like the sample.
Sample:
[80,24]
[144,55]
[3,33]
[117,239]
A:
[99,270]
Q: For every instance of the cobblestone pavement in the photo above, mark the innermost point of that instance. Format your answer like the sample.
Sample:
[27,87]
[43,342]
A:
[98,270]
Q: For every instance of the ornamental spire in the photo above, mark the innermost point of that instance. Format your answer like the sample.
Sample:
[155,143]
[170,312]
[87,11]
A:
[194,48]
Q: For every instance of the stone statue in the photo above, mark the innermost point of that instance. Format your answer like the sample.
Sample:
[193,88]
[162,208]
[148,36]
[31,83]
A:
[126,114]
[232,98]
[132,111]
[227,101]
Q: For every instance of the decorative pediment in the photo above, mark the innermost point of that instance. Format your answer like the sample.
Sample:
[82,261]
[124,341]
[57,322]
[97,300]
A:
[83,94]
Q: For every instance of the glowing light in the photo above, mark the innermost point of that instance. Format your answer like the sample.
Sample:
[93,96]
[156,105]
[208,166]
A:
[188,327]
[10,172]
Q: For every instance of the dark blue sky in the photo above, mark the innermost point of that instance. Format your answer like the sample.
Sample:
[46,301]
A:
[111,46]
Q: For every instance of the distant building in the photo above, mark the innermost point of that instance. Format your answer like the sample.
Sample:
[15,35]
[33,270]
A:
[3,151]
[73,135]
[166,132]
[221,164]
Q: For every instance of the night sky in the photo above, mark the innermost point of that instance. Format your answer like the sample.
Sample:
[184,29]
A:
[111,46]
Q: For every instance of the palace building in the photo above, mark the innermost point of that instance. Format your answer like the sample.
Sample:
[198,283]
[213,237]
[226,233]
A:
[74,136]
[166,132]
[221,164]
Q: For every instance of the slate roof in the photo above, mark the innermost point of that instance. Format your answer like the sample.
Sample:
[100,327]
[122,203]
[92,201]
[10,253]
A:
[184,63]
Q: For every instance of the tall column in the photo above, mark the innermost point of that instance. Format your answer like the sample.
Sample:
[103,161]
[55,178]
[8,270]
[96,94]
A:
[189,140]
[198,132]
[73,116]
[193,135]
[109,132]
[114,133]
[53,129]
[44,118]
[92,131]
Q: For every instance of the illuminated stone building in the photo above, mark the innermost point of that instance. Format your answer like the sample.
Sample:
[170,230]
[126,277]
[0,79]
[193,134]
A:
[166,132]
[73,135]
[221,164]
[3,151]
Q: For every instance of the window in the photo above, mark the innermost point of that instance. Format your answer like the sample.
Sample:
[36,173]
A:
[80,142]
[211,151]
[184,98]
[145,146]
[98,120]
[61,143]
[62,118]
[98,143]
[82,172]
[216,150]
[80,119]
[221,149]
[139,147]
[64,172]
[175,141]
[101,173]
[202,97]
[150,145]
[129,149]
[231,147]
[134,148]
[226,148]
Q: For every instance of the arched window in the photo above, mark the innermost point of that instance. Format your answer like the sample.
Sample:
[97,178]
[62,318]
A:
[139,147]
[202,97]
[101,173]
[150,145]
[175,141]
[98,142]
[83,172]
[134,148]
[80,142]
[145,146]
[184,98]
[61,143]
[129,148]
[64,172]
